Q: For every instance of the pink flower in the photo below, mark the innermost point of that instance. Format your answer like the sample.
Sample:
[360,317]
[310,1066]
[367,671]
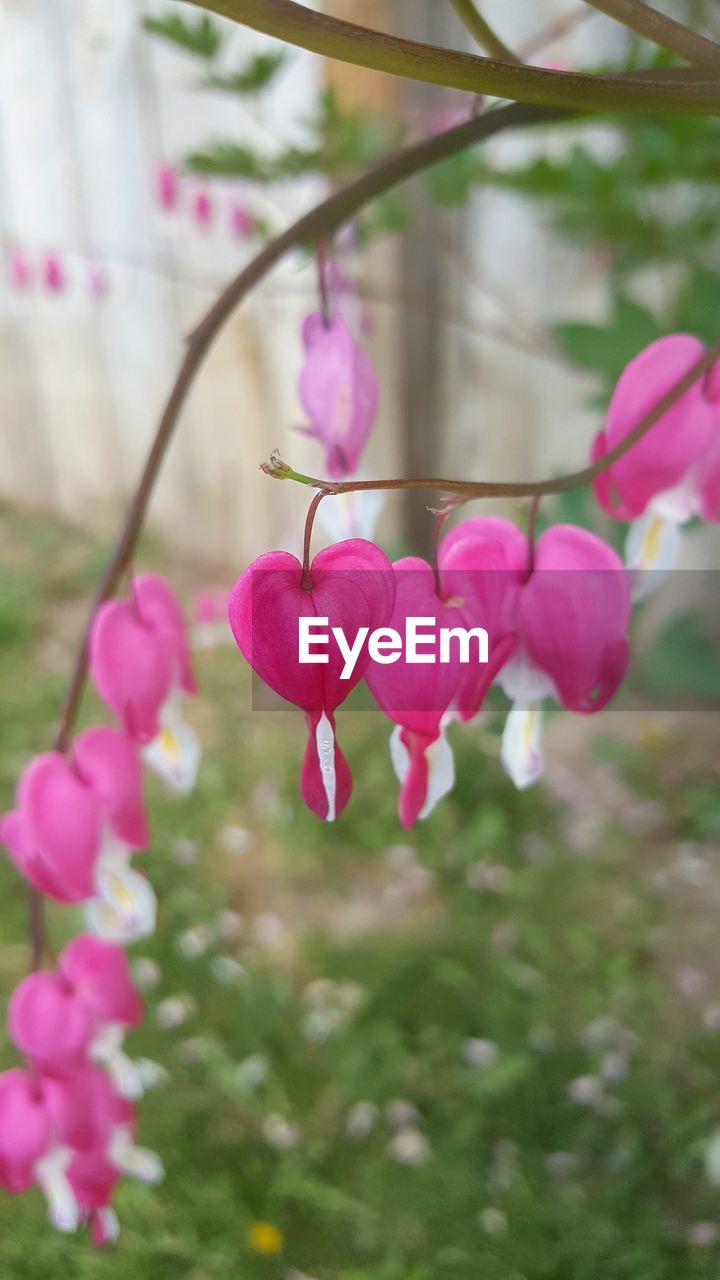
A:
[18,270]
[40,1121]
[53,274]
[352,587]
[167,188]
[140,665]
[68,809]
[53,1017]
[482,564]
[571,630]
[202,209]
[242,223]
[339,391]
[673,472]
[418,696]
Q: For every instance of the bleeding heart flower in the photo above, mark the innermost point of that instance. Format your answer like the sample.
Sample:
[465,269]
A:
[353,587]
[418,695]
[572,619]
[69,811]
[482,564]
[40,1121]
[167,187]
[140,665]
[673,472]
[339,391]
[53,1017]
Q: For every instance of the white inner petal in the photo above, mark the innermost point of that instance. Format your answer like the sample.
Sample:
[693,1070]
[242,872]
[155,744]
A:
[440,763]
[106,1049]
[176,752]
[137,1162]
[651,549]
[325,744]
[524,683]
[51,1176]
[521,750]
[125,907]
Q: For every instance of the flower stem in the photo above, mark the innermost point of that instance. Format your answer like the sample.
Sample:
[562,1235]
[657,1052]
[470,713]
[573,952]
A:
[333,38]
[467,490]
[478,27]
[306,580]
[665,31]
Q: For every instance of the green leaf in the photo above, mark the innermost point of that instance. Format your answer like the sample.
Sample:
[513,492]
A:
[254,75]
[228,159]
[451,181]
[607,349]
[202,37]
[683,660]
[698,306]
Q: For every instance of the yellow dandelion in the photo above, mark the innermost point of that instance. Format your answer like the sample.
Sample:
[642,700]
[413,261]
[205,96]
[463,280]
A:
[265,1238]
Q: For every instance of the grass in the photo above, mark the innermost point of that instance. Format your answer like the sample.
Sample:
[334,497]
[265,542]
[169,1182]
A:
[482,1051]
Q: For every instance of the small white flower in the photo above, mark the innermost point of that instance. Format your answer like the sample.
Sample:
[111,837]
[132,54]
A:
[227,970]
[252,1071]
[711,1017]
[193,943]
[703,1234]
[409,1146]
[712,1159]
[401,1114]
[235,840]
[183,851]
[614,1065]
[174,1011]
[229,925]
[560,1164]
[480,1053]
[146,973]
[270,931]
[493,1221]
[588,1090]
[279,1133]
[361,1120]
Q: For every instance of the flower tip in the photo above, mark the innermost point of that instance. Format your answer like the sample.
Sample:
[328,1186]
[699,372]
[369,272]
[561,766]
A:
[275,467]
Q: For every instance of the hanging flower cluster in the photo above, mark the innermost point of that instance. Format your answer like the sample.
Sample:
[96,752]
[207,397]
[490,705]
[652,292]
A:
[339,391]
[68,1118]
[673,473]
[49,272]
[555,618]
[173,194]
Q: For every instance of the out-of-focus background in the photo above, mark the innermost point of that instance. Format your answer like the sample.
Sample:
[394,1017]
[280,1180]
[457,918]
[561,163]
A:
[487,1049]
[93,105]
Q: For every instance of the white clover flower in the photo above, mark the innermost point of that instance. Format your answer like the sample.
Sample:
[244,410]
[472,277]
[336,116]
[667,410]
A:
[279,1133]
[401,1114]
[227,970]
[493,1221]
[235,840]
[145,972]
[361,1120]
[409,1146]
[252,1071]
[174,1011]
[712,1159]
[480,1053]
[588,1091]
